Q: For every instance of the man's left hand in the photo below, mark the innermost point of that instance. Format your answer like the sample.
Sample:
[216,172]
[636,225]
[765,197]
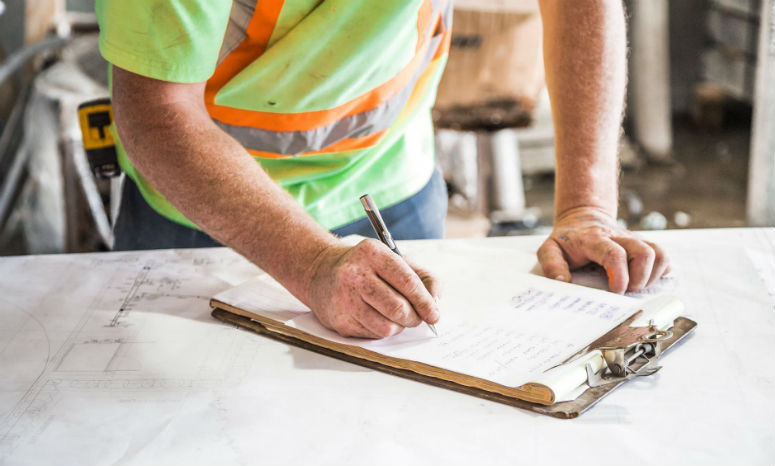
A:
[586,234]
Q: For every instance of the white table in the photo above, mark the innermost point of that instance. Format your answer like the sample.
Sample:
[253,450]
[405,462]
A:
[113,358]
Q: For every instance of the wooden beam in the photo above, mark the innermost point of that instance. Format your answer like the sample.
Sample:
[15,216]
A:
[41,16]
[761,174]
[650,78]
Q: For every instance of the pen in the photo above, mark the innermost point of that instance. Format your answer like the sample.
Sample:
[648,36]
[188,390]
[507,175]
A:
[375,218]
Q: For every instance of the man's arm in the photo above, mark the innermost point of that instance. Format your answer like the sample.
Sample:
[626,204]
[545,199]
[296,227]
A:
[362,291]
[585,60]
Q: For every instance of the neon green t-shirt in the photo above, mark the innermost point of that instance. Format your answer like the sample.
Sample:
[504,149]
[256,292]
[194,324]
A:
[319,55]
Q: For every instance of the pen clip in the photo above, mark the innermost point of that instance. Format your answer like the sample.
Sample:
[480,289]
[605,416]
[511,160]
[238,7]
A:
[375,218]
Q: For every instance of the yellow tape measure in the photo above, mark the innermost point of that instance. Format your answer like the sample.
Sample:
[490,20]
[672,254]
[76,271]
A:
[95,118]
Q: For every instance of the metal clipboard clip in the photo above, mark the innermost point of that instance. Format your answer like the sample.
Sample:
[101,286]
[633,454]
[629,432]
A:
[629,352]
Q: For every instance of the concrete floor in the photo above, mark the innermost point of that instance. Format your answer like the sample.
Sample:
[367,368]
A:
[707,181]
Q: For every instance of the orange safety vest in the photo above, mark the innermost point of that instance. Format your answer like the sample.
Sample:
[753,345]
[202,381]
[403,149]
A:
[357,124]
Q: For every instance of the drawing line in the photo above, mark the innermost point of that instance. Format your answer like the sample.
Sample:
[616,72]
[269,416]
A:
[138,281]
[34,383]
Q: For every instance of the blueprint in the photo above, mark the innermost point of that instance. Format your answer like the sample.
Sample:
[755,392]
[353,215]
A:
[131,330]
[113,358]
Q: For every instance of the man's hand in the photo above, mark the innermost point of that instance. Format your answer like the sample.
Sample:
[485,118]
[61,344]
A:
[369,291]
[586,234]
[585,59]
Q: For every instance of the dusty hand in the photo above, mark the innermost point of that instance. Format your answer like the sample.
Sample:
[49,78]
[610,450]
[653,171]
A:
[586,234]
[369,291]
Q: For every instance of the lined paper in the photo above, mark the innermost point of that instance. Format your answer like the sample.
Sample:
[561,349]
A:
[497,323]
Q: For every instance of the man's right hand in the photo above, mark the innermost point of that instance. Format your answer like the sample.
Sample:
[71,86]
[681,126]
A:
[369,291]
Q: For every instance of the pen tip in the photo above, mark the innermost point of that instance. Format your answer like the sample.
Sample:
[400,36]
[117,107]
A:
[433,329]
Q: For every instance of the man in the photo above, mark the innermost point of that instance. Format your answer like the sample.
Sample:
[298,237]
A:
[332,98]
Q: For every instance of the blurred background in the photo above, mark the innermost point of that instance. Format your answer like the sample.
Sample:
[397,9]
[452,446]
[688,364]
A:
[698,149]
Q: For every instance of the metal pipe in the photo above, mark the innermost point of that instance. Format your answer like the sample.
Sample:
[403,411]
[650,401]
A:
[16,60]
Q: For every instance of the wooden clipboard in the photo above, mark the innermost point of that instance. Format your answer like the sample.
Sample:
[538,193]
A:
[681,328]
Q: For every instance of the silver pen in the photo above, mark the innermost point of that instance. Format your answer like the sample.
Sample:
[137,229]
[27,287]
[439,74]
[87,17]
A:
[375,218]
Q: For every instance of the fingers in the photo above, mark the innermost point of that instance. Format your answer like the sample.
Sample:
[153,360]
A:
[613,258]
[640,259]
[358,330]
[552,261]
[374,293]
[432,284]
[376,323]
[383,298]
[362,321]
[398,274]
[346,325]
[661,263]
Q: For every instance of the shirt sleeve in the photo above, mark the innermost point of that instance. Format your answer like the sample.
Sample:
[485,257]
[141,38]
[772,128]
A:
[169,40]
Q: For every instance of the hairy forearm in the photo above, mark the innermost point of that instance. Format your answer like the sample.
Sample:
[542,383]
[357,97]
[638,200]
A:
[216,184]
[585,58]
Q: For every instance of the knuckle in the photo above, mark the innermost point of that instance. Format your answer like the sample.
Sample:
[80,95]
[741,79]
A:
[379,326]
[615,254]
[349,272]
[386,329]
[398,309]
[368,246]
[411,284]
[425,307]
[338,322]
[645,254]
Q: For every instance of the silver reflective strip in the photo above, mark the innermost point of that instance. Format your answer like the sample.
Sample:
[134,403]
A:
[236,29]
[366,123]
[446,15]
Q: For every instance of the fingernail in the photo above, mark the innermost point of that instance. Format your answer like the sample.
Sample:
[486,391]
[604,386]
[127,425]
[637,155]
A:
[561,278]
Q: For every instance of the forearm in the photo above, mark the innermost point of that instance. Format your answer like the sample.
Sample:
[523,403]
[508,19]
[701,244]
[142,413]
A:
[216,184]
[585,58]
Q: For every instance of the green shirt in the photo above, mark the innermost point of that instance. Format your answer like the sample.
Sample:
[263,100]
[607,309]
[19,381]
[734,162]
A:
[320,55]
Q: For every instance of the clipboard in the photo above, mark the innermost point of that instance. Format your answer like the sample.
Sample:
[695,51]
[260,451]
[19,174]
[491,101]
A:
[631,349]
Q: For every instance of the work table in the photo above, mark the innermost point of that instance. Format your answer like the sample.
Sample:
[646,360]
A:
[113,358]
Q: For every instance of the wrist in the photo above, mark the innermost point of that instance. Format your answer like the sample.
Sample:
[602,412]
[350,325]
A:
[317,259]
[311,274]
[564,207]
[586,212]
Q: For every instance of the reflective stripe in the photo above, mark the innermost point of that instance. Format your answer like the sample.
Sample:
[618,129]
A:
[356,124]
[258,32]
[366,123]
[424,21]
[341,146]
[236,29]
[368,141]
[311,120]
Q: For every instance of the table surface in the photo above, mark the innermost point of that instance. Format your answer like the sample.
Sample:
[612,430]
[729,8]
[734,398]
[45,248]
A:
[113,358]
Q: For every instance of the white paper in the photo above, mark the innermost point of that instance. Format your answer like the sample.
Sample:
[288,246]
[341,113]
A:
[185,388]
[497,324]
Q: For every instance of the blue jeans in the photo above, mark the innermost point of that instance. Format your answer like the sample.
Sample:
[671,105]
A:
[138,226]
